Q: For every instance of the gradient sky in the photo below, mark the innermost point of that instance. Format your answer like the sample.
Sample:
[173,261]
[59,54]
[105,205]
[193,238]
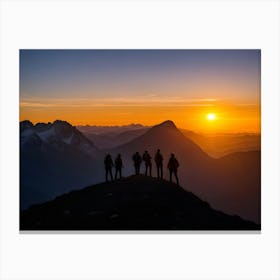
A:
[115,87]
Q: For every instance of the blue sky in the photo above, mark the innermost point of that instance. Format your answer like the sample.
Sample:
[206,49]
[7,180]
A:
[105,73]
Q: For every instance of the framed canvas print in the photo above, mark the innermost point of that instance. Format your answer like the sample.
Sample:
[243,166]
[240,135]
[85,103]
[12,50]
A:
[139,140]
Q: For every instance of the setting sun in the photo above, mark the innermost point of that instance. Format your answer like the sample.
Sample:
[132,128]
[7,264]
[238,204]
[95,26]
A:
[211,117]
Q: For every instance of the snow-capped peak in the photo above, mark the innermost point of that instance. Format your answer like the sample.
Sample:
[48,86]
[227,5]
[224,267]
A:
[57,134]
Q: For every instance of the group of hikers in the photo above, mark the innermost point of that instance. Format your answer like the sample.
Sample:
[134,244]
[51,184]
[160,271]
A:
[172,165]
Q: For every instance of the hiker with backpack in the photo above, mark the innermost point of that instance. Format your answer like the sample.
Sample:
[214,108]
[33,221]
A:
[108,162]
[148,163]
[118,166]
[137,162]
[159,163]
[173,165]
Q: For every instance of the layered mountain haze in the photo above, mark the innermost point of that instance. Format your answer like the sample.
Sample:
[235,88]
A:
[214,144]
[109,130]
[220,144]
[112,139]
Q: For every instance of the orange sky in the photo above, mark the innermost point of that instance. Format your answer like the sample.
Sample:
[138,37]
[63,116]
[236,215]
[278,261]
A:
[189,114]
[117,87]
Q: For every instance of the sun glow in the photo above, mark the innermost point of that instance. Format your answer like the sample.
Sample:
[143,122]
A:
[211,117]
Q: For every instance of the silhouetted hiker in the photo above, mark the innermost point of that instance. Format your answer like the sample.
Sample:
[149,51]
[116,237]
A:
[158,161]
[173,165]
[148,163]
[137,161]
[118,166]
[108,162]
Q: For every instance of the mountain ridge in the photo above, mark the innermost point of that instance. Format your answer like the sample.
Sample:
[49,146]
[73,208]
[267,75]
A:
[59,132]
[154,137]
[132,203]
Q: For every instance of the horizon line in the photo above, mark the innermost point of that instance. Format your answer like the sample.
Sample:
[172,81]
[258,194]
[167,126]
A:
[150,126]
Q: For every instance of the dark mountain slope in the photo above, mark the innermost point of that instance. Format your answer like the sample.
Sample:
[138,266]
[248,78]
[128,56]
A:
[236,183]
[231,183]
[133,203]
[168,138]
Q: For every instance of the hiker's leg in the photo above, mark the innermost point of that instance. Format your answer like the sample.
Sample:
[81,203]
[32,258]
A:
[176,176]
[106,174]
[111,174]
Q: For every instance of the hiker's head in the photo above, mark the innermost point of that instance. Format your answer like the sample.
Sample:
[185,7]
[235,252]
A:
[172,155]
[158,150]
[146,152]
[119,155]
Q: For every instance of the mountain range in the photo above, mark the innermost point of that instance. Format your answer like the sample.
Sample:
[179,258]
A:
[214,144]
[57,157]
[107,140]
[109,130]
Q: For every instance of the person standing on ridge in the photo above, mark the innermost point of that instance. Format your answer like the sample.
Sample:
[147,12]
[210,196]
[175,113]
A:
[137,162]
[173,165]
[118,166]
[108,162]
[148,163]
[159,162]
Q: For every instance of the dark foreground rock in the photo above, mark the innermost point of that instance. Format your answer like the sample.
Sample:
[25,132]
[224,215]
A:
[133,203]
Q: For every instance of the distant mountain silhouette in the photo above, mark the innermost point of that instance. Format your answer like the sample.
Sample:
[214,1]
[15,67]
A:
[167,137]
[133,203]
[109,130]
[231,183]
[55,158]
[221,144]
[214,144]
[107,140]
